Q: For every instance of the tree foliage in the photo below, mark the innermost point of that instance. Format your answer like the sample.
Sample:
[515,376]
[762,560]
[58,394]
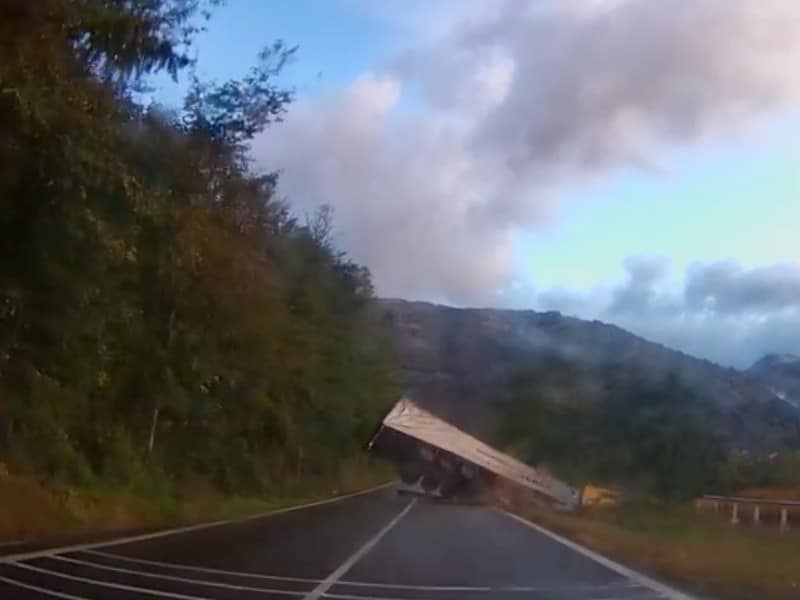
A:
[160,307]
[651,437]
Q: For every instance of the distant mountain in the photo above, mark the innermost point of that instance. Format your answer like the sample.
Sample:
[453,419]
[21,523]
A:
[779,373]
[457,362]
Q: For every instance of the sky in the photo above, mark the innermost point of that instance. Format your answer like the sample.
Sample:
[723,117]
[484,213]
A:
[633,161]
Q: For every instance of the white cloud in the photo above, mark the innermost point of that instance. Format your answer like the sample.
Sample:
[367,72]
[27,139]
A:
[434,160]
[722,311]
[404,188]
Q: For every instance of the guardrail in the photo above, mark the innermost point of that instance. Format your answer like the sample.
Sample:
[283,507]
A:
[721,503]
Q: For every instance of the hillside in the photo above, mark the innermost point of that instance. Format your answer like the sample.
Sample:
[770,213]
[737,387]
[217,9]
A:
[780,373]
[456,362]
[165,319]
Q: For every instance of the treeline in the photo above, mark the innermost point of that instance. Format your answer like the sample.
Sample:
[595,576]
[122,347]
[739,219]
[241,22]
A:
[612,426]
[162,313]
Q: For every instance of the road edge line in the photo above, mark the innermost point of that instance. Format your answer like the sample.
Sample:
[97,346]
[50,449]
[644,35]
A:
[350,561]
[40,590]
[668,592]
[10,558]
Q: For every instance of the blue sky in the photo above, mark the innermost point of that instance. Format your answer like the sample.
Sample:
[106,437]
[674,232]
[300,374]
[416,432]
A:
[739,201]
[496,153]
[337,42]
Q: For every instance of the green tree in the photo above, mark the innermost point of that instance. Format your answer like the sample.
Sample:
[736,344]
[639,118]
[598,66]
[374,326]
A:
[654,437]
[162,313]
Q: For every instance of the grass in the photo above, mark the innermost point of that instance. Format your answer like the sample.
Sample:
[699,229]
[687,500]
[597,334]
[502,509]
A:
[35,510]
[698,552]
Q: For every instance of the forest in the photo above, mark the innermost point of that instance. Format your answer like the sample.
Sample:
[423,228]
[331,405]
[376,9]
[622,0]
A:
[164,315]
[650,438]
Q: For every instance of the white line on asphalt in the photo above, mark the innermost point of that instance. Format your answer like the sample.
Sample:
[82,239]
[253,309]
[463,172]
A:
[149,536]
[109,584]
[648,582]
[340,596]
[36,588]
[489,588]
[41,590]
[348,582]
[182,567]
[653,595]
[358,597]
[218,584]
[325,585]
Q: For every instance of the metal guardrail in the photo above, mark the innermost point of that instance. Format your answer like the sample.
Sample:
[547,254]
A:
[718,502]
[742,500]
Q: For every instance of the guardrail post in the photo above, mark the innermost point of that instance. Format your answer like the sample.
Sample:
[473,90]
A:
[716,506]
[735,514]
[784,527]
[757,515]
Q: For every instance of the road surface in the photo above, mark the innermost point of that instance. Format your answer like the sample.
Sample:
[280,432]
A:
[375,545]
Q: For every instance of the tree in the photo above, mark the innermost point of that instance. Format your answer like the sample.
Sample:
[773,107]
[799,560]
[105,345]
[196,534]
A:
[654,436]
[161,310]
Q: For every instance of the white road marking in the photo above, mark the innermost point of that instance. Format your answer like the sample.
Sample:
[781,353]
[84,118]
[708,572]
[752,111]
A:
[340,596]
[41,590]
[150,536]
[664,590]
[182,567]
[109,584]
[490,588]
[218,584]
[357,597]
[653,595]
[348,582]
[333,578]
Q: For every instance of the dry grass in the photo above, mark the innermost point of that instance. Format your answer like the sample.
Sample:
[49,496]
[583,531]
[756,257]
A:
[34,510]
[697,552]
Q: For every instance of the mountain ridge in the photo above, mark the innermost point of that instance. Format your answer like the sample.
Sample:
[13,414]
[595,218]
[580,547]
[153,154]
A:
[455,361]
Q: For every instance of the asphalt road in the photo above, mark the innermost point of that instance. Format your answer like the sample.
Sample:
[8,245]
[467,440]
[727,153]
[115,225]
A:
[376,545]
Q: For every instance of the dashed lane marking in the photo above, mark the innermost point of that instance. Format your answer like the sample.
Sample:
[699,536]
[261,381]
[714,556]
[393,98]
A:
[325,585]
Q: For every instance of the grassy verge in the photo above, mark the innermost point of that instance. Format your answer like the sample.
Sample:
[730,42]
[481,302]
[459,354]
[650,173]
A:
[700,553]
[33,510]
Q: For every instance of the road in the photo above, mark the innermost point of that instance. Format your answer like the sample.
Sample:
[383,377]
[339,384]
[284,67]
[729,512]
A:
[375,545]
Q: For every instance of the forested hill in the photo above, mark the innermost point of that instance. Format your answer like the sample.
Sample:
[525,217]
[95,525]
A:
[162,312]
[459,361]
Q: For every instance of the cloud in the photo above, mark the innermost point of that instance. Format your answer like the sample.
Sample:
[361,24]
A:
[639,294]
[437,159]
[727,287]
[721,310]
[403,188]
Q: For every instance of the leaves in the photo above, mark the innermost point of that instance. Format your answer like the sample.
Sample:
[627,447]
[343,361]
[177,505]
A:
[149,280]
[653,437]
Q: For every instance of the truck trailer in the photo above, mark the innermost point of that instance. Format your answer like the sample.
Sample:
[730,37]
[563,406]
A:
[445,461]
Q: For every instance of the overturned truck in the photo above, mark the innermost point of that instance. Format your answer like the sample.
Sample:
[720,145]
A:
[445,461]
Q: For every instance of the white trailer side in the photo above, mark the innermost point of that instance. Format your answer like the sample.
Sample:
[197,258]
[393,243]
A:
[411,420]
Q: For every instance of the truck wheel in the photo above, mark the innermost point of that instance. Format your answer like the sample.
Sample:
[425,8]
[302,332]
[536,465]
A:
[429,482]
[410,472]
[450,486]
